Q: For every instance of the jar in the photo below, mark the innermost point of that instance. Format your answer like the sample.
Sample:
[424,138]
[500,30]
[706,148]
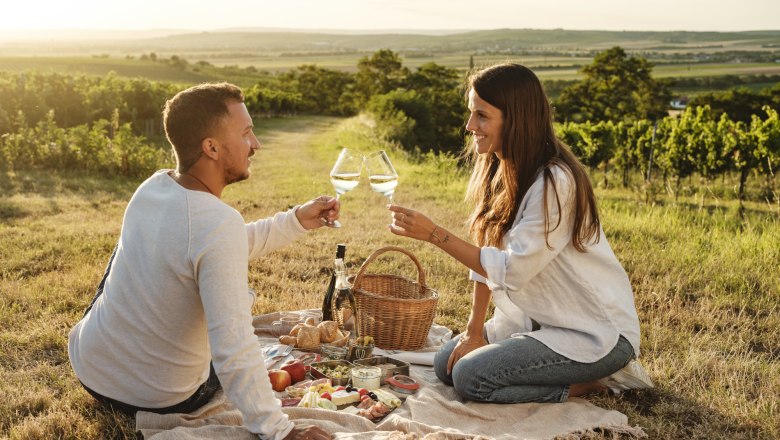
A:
[333,352]
[366,377]
[285,324]
[359,352]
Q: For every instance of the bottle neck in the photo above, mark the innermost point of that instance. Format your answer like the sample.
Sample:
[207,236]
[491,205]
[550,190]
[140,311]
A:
[341,273]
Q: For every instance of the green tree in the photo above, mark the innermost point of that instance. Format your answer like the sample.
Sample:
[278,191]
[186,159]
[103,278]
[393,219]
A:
[61,94]
[264,101]
[616,87]
[404,116]
[103,96]
[322,91]
[378,74]
[440,86]
[740,104]
[178,63]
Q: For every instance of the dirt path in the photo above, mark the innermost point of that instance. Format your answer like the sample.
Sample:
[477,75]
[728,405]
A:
[286,169]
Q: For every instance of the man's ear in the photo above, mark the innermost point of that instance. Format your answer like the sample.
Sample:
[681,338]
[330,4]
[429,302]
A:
[210,148]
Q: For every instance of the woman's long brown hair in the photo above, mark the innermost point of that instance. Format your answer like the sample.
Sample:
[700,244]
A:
[528,146]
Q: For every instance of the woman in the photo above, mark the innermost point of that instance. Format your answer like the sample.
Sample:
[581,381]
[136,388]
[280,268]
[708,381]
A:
[565,318]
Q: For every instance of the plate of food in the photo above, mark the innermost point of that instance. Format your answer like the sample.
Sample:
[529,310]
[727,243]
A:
[332,389]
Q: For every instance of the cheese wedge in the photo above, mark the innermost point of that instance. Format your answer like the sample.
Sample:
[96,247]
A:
[343,397]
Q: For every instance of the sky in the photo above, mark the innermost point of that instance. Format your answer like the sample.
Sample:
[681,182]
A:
[656,15]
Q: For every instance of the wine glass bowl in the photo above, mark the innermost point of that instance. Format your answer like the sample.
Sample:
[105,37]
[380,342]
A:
[381,175]
[344,182]
[384,184]
[345,175]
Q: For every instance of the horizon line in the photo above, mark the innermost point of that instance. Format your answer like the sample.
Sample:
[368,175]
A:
[354,30]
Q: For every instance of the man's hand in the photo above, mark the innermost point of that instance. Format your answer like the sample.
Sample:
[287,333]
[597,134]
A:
[305,432]
[315,213]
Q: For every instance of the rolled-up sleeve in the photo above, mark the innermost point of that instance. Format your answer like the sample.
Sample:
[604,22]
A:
[473,276]
[526,250]
[267,235]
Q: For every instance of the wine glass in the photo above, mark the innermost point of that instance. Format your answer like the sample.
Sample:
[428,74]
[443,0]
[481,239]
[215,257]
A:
[345,175]
[381,174]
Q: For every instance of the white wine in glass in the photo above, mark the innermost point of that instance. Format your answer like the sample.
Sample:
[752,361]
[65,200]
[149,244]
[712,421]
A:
[343,182]
[345,175]
[381,174]
[383,184]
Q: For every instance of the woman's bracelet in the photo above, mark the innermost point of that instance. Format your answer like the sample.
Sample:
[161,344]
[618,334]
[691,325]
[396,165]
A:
[466,342]
[434,235]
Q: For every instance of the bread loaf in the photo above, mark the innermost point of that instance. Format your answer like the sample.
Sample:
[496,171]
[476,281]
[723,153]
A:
[341,340]
[329,331]
[308,337]
[294,331]
[288,340]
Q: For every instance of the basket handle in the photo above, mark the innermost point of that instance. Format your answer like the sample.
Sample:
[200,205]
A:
[380,251]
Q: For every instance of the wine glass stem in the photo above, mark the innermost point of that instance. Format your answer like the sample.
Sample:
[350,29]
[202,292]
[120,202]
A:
[390,202]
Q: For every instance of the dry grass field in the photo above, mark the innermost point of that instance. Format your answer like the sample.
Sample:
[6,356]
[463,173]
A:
[705,283]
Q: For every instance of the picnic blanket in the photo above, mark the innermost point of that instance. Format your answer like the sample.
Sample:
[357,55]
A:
[435,412]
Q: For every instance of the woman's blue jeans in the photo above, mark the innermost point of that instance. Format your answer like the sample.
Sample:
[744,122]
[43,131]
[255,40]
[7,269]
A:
[523,369]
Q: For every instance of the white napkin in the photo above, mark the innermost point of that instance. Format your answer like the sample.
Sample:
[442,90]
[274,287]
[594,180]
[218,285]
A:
[437,336]
[412,357]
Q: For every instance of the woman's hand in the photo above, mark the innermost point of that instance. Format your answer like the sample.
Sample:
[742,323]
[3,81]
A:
[465,346]
[315,213]
[410,223]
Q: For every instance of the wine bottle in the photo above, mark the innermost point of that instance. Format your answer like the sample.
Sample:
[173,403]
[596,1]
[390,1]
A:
[343,294]
[327,302]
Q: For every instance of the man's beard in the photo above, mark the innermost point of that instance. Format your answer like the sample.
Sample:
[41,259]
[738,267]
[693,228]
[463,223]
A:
[233,174]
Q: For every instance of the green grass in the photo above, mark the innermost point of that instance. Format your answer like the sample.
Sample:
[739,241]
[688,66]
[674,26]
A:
[412,59]
[125,68]
[706,283]
[223,63]
[715,69]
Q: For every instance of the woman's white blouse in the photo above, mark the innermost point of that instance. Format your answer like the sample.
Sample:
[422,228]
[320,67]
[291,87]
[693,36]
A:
[582,301]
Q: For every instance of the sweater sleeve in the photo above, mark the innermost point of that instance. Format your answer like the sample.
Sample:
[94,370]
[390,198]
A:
[526,252]
[267,235]
[219,258]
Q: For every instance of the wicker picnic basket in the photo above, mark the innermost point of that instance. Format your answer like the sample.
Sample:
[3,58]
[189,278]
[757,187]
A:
[395,311]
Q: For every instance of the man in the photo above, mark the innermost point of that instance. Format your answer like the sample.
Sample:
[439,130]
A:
[171,320]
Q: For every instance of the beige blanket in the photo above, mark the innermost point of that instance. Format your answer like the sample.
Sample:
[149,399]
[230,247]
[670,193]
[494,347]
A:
[434,412]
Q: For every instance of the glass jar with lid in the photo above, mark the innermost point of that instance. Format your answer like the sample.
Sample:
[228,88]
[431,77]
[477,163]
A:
[366,377]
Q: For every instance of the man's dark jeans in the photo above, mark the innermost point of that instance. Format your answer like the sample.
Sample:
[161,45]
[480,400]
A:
[202,395]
